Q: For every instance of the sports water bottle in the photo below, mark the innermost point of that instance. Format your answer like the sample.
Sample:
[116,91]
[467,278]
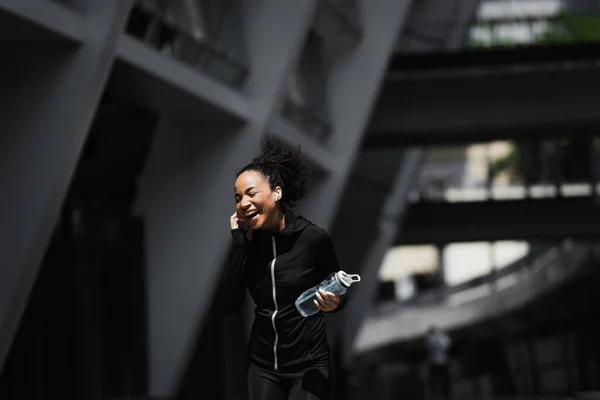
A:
[337,283]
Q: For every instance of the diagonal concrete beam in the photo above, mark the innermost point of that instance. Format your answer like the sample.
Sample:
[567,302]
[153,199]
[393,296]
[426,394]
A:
[54,95]
[352,88]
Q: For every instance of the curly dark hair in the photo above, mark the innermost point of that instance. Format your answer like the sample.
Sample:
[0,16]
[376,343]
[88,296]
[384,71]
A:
[281,166]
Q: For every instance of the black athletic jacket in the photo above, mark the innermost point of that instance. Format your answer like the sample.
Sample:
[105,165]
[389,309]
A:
[277,267]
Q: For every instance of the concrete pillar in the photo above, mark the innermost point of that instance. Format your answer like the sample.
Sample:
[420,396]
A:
[441,249]
[389,220]
[54,84]
[186,193]
[466,14]
[352,89]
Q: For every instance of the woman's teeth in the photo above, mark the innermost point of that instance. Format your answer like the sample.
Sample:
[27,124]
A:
[251,214]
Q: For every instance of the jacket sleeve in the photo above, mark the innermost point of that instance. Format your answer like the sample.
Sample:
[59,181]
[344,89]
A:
[232,286]
[327,262]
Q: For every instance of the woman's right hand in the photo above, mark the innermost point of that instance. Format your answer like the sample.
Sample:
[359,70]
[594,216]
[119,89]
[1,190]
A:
[235,221]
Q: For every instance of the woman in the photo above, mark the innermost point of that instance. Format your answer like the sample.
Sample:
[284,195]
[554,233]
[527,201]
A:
[277,257]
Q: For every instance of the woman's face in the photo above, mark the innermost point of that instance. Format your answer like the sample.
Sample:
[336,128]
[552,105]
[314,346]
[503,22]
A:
[255,202]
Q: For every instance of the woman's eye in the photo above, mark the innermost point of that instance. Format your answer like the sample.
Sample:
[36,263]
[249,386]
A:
[252,194]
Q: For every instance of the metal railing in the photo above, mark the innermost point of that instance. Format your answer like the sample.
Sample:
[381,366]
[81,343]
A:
[560,167]
[337,21]
[192,32]
[306,119]
[535,22]
[545,260]
[336,31]
[504,23]
[72,4]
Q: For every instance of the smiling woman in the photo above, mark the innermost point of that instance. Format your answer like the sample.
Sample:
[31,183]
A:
[278,257]
[256,202]
[270,185]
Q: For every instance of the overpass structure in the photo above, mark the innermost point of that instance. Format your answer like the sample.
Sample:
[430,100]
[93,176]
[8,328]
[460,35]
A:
[551,219]
[500,293]
[521,93]
[455,96]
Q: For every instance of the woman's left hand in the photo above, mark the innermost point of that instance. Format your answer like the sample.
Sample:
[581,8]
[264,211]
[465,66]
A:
[327,301]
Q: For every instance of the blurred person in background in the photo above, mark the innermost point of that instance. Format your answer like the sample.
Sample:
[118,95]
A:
[437,344]
[277,255]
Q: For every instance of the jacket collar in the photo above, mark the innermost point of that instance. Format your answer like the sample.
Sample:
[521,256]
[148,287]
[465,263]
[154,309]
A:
[293,224]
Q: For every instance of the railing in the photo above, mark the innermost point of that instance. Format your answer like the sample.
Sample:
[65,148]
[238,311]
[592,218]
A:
[72,4]
[306,119]
[396,323]
[505,23]
[511,170]
[500,193]
[482,286]
[337,21]
[536,22]
[192,31]
[336,31]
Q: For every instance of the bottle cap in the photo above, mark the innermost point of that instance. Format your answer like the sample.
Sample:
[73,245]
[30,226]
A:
[346,280]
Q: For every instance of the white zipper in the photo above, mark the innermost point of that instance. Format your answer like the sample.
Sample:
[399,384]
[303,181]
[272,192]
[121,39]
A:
[274,302]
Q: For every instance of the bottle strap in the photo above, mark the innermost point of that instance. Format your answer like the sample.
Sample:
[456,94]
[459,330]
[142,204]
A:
[347,279]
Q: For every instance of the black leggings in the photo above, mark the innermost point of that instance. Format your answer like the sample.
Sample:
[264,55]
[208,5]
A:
[310,384]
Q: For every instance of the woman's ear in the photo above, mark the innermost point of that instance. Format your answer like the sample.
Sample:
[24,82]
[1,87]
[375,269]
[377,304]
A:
[277,193]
